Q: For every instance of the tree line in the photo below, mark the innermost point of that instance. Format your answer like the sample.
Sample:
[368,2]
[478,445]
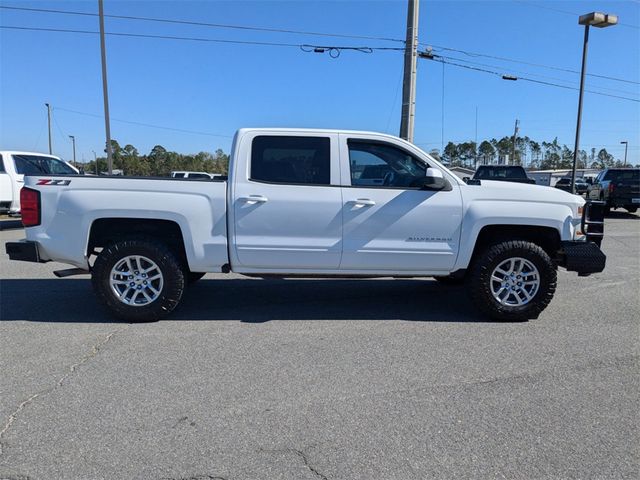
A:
[159,162]
[528,153]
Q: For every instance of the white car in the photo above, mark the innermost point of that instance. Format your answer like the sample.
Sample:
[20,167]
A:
[15,165]
[296,204]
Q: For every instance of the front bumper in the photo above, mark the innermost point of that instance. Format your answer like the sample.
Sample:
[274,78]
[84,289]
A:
[582,257]
[25,251]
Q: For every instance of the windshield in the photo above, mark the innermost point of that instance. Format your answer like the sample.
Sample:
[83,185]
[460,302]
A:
[36,165]
[624,175]
[488,173]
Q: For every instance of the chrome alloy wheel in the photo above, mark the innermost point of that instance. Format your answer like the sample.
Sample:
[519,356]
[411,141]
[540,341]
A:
[514,282]
[136,281]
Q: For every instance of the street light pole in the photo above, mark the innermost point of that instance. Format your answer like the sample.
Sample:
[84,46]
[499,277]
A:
[73,140]
[626,144]
[49,124]
[599,20]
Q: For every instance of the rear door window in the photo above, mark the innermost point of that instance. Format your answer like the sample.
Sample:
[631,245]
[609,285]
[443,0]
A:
[628,176]
[291,160]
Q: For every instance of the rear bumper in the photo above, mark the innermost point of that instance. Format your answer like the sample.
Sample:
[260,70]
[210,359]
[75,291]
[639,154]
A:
[625,201]
[25,251]
[582,257]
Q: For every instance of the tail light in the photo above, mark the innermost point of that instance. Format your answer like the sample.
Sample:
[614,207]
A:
[612,187]
[30,207]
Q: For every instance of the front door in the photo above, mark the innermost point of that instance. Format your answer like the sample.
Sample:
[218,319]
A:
[287,204]
[390,224]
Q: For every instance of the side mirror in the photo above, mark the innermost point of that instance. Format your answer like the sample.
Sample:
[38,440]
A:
[434,180]
[465,179]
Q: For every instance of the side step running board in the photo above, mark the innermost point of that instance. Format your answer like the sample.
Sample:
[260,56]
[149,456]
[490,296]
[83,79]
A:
[70,272]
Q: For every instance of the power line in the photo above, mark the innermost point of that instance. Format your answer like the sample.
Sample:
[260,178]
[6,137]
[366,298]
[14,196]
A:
[303,47]
[333,51]
[535,74]
[505,59]
[206,24]
[194,132]
[443,60]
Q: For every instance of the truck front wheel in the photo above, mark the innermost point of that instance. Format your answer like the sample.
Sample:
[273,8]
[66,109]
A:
[138,280]
[513,281]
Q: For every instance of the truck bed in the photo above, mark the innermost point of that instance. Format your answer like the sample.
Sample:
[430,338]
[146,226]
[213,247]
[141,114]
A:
[198,207]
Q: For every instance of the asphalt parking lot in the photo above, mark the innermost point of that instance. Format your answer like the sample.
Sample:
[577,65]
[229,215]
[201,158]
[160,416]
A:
[321,379]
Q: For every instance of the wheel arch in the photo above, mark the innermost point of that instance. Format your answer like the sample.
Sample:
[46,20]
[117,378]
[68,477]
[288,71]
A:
[105,231]
[548,238]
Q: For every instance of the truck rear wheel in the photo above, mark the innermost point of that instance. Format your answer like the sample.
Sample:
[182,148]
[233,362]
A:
[513,281]
[138,280]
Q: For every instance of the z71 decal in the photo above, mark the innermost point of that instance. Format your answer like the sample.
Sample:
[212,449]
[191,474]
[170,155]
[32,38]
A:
[50,181]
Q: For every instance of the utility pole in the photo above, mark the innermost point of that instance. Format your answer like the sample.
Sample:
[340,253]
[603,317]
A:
[410,67]
[95,161]
[515,137]
[475,156]
[73,140]
[105,90]
[49,123]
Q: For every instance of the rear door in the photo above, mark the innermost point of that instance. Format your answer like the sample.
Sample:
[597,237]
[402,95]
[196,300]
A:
[286,202]
[390,224]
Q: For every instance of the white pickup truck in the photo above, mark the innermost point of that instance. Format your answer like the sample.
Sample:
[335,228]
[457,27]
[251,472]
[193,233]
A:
[311,203]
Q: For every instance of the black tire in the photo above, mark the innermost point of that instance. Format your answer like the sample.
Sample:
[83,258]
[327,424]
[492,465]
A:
[193,277]
[169,294]
[631,209]
[483,267]
[449,280]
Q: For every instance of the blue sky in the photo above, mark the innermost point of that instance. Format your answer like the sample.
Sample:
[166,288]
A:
[217,88]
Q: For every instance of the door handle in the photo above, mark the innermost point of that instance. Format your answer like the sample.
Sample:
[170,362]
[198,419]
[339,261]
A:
[253,199]
[363,202]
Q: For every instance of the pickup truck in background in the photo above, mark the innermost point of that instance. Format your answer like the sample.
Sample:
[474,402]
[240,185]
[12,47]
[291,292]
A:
[565,184]
[503,173]
[15,165]
[301,203]
[617,187]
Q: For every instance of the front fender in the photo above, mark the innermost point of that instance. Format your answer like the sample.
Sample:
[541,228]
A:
[483,213]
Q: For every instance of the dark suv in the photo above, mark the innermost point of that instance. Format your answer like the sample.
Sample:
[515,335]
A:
[617,187]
